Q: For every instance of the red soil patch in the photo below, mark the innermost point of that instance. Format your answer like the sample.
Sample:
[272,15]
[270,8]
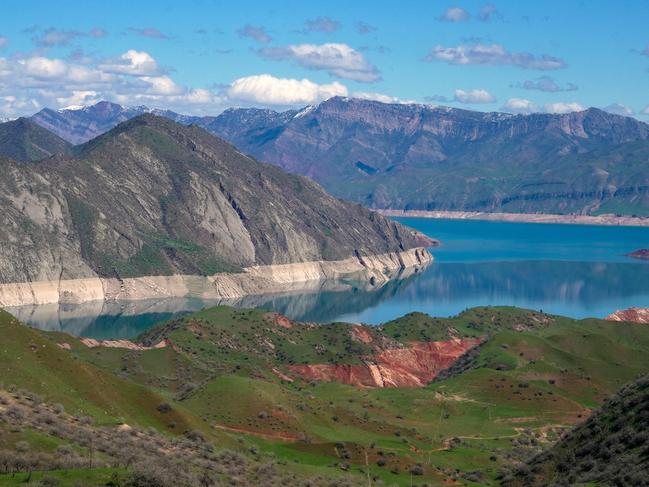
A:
[412,366]
[361,334]
[635,315]
[283,321]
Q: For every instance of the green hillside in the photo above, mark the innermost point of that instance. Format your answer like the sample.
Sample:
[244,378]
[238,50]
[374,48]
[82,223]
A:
[234,376]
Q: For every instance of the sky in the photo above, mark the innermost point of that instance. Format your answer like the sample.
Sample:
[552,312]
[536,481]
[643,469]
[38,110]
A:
[203,56]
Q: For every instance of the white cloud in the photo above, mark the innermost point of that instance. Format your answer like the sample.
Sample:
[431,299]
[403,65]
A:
[473,96]
[338,60]
[132,62]
[619,109]
[42,67]
[78,98]
[162,85]
[645,111]
[455,14]
[364,95]
[269,90]
[519,105]
[493,54]
[563,107]
[30,83]
[3,41]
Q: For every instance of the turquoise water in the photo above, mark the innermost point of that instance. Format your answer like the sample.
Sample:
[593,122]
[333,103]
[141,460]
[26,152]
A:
[573,270]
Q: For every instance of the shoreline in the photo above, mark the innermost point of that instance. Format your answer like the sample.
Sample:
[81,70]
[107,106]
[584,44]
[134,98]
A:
[607,220]
[266,279]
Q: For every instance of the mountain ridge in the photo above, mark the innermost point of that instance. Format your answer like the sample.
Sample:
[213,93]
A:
[24,140]
[423,157]
[153,197]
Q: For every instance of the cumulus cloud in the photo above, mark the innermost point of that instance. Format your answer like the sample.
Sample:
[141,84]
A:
[488,12]
[619,109]
[519,105]
[454,14]
[150,32]
[29,83]
[338,60]
[473,96]
[257,33]
[494,55]
[269,90]
[364,28]
[322,24]
[3,41]
[563,107]
[134,63]
[547,84]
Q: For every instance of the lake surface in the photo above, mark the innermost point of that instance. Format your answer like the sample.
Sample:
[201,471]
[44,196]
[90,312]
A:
[573,270]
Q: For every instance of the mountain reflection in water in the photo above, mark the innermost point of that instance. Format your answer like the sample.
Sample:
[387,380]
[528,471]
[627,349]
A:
[577,289]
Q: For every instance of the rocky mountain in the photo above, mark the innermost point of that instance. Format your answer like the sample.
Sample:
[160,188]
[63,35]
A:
[153,197]
[78,125]
[431,158]
[24,140]
[423,157]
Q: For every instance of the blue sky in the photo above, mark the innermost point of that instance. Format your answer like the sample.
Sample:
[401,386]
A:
[201,56]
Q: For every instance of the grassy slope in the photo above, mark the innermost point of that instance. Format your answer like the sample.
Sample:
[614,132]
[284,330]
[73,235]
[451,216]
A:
[536,373]
[33,362]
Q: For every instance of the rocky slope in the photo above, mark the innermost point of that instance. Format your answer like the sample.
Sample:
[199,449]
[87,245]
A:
[24,140]
[610,448]
[422,157]
[634,315]
[431,158]
[152,197]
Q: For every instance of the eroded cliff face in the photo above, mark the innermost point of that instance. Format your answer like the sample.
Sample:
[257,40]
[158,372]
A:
[155,198]
[376,270]
[634,315]
[413,365]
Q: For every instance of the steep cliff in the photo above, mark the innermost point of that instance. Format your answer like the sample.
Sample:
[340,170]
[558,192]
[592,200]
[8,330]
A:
[152,197]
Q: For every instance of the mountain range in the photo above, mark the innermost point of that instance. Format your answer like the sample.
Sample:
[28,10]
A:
[408,156]
[153,197]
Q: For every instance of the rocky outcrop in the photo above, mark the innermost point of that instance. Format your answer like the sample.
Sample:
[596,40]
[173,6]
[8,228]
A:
[376,269]
[413,365]
[125,344]
[640,254]
[634,315]
[155,198]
